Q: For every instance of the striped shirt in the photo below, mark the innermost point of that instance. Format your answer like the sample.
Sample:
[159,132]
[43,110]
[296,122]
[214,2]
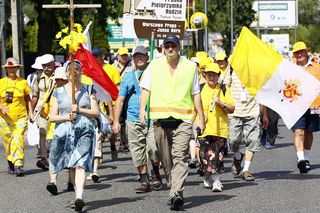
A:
[243,108]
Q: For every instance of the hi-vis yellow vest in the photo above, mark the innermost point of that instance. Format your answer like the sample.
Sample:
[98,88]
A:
[171,93]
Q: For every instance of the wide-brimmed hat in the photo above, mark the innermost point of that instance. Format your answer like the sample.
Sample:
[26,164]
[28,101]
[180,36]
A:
[60,73]
[46,58]
[37,65]
[11,62]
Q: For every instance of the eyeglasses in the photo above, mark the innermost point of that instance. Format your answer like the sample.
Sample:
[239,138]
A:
[172,45]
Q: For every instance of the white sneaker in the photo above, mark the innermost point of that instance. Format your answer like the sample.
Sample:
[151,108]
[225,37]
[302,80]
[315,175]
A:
[268,145]
[217,186]
[207,184]
[89,177]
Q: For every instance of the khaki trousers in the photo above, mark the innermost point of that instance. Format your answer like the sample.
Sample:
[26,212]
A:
[173,145]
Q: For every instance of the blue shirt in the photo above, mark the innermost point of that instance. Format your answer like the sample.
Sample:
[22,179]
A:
[127,82]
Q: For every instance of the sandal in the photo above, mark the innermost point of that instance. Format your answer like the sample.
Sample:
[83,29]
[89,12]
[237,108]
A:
[247,176]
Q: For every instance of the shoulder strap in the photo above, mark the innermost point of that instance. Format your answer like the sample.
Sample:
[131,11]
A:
[124,67]
[135,81]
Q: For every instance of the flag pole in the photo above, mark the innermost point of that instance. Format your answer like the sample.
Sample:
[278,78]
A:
[72,54]
[151,57]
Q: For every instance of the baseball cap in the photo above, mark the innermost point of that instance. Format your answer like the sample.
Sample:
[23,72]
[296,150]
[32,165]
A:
[204,61]
[172,39]
[123,51]
[212,67]
[140,49]
[97,51]
[46,58]
[37,65]
[299,46]
[220,56]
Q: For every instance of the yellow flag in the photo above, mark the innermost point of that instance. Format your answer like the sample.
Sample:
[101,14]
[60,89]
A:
[253,61]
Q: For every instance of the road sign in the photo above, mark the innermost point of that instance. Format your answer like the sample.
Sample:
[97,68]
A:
[164,17]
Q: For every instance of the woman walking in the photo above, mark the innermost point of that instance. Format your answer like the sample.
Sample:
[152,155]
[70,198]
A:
[74,135]
[14,105]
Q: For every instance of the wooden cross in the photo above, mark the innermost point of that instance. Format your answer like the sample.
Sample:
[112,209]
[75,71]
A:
[71,7]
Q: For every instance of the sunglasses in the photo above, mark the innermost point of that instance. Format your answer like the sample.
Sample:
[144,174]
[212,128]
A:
[172,45]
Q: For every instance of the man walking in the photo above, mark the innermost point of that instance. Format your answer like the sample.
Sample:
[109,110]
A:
[141,139]
[173,85]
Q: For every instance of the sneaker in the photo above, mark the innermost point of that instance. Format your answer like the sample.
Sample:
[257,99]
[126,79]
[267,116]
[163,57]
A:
[302,166]
[176,203]
[268,145]
[217,186]
[114,155]
[70,187]
[247,176]
[43,164]
[143,188]
[308,165]
[18,171]
[207,182]
[236,165]
[192,164]
[79,204]
[89,177]
[52,188]
[156,181]
[95,178]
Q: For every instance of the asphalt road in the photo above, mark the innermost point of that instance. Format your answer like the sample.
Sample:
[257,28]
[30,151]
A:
[278,187]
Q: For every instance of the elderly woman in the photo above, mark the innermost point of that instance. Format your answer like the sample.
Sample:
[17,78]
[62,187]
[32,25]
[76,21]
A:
[14,105]
[74,136]
[212,141]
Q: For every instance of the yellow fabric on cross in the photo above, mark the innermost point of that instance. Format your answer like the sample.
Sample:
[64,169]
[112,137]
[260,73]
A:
[253,61]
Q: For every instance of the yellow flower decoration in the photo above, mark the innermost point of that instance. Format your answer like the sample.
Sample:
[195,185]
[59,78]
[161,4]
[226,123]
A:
[73,40]
[59,34]
[65,30]
[78,27]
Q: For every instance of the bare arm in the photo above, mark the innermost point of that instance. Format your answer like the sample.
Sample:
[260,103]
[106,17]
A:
[265,118]
[144,96]
[54,117]
[117,113]
[199,109]
[225,107]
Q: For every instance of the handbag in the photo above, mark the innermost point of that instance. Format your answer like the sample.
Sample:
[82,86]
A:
[170,123]
[103,123]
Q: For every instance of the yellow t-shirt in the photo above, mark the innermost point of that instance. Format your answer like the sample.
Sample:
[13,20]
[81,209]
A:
[217,120]
[113,73]
[20,89]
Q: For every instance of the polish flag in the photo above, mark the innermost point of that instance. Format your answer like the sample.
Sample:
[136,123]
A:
[92,69]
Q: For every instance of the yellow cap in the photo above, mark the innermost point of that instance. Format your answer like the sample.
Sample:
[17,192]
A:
[299,46]
[123,51]
[212,67]
[220,56]
[201,54]
[204,61]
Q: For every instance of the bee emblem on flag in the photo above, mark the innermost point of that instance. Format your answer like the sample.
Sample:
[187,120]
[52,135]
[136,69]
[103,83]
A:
[291,90]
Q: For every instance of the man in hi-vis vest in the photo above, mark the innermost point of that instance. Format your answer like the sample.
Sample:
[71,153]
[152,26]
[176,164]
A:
[173,85]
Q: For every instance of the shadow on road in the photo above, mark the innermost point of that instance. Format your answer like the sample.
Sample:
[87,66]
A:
[196,201]
[274,175]
[114,201]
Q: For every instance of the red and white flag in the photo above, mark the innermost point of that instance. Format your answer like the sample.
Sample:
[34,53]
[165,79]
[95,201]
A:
[92,69]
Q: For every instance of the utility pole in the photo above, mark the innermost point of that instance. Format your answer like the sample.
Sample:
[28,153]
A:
[3,37]
[231,26]
[206,29]
[17,39]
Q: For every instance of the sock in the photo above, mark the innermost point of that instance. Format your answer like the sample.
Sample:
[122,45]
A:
[155,170]
[79,193]
[246,165]
[237,155]
[300,155]
[113,147]
[143,177]
[306,154]
[215,177]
